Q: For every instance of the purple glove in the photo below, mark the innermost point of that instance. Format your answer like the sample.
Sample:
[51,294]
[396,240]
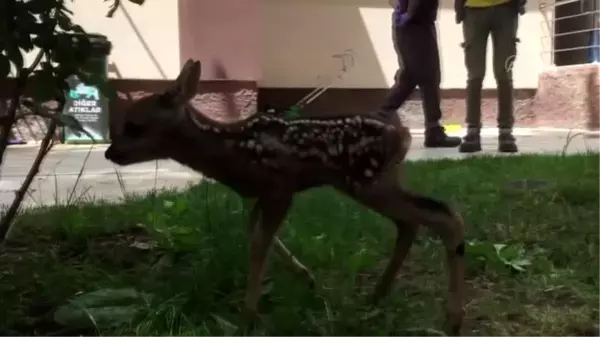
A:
[401,19]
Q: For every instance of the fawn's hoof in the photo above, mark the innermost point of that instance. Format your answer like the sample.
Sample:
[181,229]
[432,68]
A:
[378,294]
[452,329]
[250,319]
[453,322]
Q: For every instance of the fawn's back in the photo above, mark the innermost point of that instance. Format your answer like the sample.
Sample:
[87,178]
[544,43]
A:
[260,153]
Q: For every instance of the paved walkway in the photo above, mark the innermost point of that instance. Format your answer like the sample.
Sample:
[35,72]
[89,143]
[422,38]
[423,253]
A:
[59,172]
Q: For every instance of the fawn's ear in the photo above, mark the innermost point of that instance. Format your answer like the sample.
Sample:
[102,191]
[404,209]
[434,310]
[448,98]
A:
[186,84]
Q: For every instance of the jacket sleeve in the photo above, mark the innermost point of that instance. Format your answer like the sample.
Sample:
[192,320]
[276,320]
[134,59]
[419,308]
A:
[459,5]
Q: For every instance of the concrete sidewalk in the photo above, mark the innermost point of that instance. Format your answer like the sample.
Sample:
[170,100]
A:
[59,172]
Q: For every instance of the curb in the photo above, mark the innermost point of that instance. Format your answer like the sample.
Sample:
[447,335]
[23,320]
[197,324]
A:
[451,129]
[454,130]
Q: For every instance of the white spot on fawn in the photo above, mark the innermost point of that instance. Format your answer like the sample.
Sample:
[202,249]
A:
[368,173]
[332,150]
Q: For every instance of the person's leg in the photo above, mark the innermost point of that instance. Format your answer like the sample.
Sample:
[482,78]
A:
[504,42]
[428,80]
[475,32]
[404,84]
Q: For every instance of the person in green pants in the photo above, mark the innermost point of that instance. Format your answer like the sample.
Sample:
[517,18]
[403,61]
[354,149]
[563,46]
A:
[480,19]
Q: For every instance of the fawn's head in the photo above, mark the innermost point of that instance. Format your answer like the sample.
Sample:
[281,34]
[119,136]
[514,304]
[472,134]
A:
[150,122]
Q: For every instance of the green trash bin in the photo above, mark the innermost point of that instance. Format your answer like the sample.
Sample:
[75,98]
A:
[86,102]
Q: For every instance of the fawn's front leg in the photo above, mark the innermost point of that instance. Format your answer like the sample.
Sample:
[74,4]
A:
[282,251]
[272,213]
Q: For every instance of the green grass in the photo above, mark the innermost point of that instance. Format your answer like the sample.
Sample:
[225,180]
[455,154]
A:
[188,250]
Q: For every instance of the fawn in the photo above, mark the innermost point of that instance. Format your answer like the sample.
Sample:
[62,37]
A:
[269,159]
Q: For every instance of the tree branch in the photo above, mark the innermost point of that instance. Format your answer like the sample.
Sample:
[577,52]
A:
[45,147]
[47,143]
[113,8]
[6,122]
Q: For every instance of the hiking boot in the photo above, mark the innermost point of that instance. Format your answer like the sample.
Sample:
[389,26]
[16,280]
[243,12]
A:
[436,137]
[471,142]
[507,143]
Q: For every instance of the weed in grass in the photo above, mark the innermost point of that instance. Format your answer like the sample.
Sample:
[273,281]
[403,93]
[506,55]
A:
[533,259]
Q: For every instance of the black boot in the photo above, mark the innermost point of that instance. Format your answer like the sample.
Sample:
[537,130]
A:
[507,142]
[471,142]
[436,137]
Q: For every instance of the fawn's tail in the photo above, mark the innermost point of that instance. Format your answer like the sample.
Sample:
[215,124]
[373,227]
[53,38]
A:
[425,204]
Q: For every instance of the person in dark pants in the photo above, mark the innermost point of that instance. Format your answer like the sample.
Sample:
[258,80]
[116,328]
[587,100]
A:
[415,41]
[480,19]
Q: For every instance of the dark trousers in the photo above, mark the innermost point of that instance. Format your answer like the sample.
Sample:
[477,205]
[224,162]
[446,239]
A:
[419,65]
[501,22]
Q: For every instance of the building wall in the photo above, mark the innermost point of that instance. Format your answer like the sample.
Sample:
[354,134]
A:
[224,35]
[293,46]
[145,38]
[301,35]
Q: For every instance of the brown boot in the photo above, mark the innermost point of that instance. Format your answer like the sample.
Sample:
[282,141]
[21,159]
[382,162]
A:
[471,142]
[436,137]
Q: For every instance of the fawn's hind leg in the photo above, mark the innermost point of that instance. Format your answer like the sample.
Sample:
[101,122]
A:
[389,199]
[282,251]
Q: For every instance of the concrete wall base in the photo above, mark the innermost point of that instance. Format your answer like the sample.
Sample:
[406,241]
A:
[567,97]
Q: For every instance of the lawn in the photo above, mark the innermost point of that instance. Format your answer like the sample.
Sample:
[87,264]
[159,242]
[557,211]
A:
[175,263]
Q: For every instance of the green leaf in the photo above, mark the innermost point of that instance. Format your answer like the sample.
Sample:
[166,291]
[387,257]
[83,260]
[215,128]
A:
[26,43]
[4,66]
[43,83]
[104,308]
[108,296]
[15,56]
[424,332]
[64,22]
[26,24]
[227,327]
[77,317]
[78,29]
[39,6]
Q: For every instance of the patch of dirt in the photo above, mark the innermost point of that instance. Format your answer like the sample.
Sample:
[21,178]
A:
[125,248]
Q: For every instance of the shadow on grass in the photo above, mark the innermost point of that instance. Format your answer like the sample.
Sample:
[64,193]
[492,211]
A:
[188,249]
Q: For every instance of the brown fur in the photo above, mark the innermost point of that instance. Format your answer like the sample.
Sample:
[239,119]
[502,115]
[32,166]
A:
[270,159]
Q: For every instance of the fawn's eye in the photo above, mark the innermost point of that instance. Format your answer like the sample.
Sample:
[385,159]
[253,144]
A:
[133,130]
